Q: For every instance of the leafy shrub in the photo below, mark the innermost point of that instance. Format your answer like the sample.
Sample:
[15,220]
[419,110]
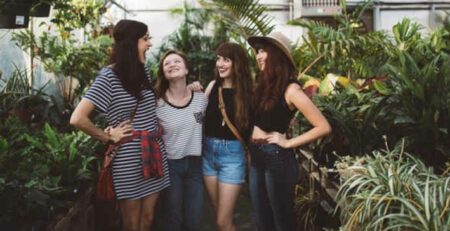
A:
[41,171]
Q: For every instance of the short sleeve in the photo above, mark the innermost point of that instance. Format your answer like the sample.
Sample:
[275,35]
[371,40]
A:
[100,92]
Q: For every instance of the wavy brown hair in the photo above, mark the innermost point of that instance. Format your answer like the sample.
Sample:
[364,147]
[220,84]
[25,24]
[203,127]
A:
[273,80]
[125,57]
[241,80]
[162,84]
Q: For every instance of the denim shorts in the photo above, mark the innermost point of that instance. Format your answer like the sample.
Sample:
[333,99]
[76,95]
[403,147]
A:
[225,159]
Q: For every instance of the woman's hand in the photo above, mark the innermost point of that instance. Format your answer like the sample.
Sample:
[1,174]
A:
[278,138]
[120,131]
[195,86]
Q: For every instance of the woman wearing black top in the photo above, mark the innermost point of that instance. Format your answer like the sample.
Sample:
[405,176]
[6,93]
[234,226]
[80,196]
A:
[224,160]
[274,169]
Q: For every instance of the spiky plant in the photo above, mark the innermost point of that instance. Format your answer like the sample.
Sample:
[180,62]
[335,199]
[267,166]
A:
[398,193]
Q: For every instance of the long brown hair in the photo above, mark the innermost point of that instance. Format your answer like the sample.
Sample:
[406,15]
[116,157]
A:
[242,82]
[273,80]
[162,84]
[125,57]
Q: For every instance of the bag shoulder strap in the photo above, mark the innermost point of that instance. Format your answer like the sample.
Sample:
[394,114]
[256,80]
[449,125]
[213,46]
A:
[227,120]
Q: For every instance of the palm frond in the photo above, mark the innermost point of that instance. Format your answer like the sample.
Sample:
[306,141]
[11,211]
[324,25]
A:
[243,17]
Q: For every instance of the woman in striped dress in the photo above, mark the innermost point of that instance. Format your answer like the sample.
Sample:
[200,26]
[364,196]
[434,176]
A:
[121,89]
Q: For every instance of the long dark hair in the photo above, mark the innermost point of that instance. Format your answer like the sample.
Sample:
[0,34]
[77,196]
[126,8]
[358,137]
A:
[273,80]
[242,82]
[125,57]
[162,84]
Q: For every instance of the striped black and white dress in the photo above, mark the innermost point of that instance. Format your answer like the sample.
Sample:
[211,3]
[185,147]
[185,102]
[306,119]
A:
[110,98]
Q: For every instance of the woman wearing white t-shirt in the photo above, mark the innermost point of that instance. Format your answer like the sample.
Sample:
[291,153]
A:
[180,112]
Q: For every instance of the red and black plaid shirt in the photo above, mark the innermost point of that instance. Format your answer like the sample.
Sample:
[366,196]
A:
[151,151]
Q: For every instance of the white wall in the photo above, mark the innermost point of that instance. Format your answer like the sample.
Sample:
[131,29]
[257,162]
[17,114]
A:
[391,17]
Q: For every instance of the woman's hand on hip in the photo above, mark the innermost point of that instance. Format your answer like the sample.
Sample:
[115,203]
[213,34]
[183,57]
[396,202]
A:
[120,131]
[278,138]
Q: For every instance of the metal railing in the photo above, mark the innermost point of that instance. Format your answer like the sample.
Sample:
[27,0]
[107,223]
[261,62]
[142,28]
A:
[319,3]
[312,8]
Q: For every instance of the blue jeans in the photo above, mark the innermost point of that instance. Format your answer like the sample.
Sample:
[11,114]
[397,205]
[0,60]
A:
[225,159]
[183,201]
[273,175]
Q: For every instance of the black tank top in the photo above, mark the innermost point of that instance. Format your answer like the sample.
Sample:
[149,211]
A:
[215,126]
[278,118]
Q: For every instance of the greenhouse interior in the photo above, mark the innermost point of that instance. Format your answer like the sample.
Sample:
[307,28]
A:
[225,115]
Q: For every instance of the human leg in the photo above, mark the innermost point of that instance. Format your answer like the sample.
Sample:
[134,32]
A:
[193,194]
[258,193]
[147,212]
[210,170]
[227,197]
[173,197]
[130,212]
[211,185]
[232,164]
[280,179]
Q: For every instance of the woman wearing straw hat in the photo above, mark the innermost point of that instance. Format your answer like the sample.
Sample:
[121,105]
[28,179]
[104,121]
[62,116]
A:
[274,169]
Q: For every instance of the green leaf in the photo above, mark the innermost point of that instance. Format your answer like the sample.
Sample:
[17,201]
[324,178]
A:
[381,87]
[404,120]
[52,139]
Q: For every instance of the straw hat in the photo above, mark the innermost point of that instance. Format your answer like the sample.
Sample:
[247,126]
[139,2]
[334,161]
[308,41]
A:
[277,39]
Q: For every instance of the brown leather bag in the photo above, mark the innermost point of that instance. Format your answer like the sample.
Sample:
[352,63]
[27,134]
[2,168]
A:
[105,187]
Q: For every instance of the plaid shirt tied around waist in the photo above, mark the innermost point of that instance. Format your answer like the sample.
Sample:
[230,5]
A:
[151,151]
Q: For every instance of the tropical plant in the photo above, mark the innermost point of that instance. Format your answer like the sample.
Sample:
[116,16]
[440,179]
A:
[193,38]
[235,19]
[344,50]
[41,172]
[397,192]
[73,64]
[18,97]
[355,110]
[418,92]
[242,18]
[356,117]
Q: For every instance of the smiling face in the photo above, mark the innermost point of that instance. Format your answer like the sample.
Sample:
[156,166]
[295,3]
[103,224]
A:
[261,58]
[174,67]
[143,45]
[224,66]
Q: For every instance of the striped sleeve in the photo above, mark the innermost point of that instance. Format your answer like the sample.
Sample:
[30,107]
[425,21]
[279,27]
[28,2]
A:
[100,92]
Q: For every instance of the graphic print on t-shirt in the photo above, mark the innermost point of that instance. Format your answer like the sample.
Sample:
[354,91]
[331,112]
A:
[198,117]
